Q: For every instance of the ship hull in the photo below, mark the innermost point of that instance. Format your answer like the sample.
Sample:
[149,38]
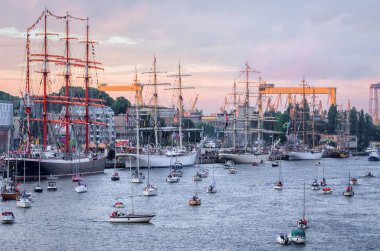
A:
[244,158]
[159,161]
[58,167]
[305,155]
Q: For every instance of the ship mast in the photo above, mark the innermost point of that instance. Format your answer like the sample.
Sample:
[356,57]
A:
[137,125]
[67,82]
[28,109]
[247,70]
[235,109]
[303,113]
[45,76]
[180,99]
[86,80]
[155,96]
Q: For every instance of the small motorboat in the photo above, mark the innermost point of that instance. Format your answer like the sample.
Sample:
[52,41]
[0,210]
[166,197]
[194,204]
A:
[353,181]
[318,163]
[315,185]
[369,174]
[115,177]
[297,236]
[197,177]
[195,201]
[228,164]
[279,185]
[349,191]
[52,186]
[232,170]
[23,201]
[81,187]
[172,179]
[118,204]
[283,239]
[119,217]
[7,218]
[150,190]
[302,223]
[203,173]
[327,190]
[76,178]
[38,189]
[275,163]
[357,157]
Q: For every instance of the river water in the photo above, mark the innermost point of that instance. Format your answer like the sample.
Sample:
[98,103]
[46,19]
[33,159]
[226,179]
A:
[245,214]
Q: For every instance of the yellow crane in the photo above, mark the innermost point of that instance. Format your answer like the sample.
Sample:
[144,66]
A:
[194,103]
[330,91]
[124,88]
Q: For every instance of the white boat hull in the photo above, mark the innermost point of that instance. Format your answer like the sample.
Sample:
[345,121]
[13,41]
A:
[298,240]
[81,189]
[24,203]
[159,161]
[7,220]
[244,158]
[150,192]
[305,155]
[131,219]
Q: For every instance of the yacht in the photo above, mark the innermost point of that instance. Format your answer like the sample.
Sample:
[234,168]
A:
[119,217]
[7,218]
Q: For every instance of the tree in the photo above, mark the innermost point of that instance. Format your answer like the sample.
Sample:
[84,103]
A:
[120,105]
[353,121]
[332,119]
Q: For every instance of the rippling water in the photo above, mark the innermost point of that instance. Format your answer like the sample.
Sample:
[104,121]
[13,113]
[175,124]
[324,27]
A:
[245,214]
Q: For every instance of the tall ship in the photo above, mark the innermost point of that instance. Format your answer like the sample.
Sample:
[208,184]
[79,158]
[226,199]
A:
[248,153]
[156,156]
[47,70]
[303,151]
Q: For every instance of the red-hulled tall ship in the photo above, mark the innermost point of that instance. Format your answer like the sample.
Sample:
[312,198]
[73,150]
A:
[54,159]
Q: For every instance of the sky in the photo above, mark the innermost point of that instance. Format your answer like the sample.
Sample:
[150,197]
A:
[330,43]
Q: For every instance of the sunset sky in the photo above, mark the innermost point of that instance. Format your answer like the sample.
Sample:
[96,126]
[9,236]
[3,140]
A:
[331,43]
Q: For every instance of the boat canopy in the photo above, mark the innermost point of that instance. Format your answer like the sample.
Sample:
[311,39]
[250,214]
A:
[298,232]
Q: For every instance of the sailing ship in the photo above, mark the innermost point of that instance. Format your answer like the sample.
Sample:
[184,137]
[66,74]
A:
[149,190]
[195,200]
[8,190]
[162,157]
[38,188]
[279,183]
[57,160]
[23,199]
[349,191]
[247,154]
[212,187]
[303,152]
[130,217]
[303,222]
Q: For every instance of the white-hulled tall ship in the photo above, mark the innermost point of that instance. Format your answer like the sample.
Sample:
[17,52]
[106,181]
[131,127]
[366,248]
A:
[56,159]
[163,157]
[303,152]
[247,154]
